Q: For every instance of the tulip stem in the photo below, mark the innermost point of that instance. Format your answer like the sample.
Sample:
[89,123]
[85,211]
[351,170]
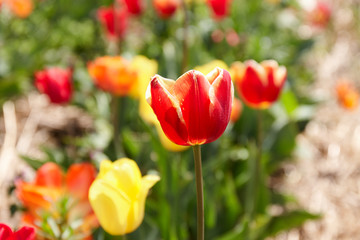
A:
[199,192]
[118,109]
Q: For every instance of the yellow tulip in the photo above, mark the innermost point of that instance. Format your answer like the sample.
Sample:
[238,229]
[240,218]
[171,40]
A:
[118,195]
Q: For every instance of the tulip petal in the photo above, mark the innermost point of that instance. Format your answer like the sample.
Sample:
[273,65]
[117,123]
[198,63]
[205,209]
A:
[136,214]
[79,178]
[167,109]
[5,231]
[192,91]
[49,175]
[221,102]
[25,233]
[110,207]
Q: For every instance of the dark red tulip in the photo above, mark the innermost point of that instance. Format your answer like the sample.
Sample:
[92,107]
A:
[195,109]
[56,83]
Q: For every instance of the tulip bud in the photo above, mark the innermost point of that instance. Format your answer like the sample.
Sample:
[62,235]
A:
[55,83]
[259,85]
[166,8]
[118,195]
[195,109]
[320,15]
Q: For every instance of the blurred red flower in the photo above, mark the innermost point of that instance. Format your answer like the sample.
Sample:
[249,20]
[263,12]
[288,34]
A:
[50,186]
[113,21]
[113,74]
[55,83]
[320,15]
[24,233]
[347,95]
[134,6]
[259,85]
[194,109]
[220,8]
[166,8]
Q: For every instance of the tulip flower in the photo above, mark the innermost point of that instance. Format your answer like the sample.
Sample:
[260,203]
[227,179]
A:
[259,85]
[347,95]
[56,83]
[20,8]
[320,15]
[113,74]
[118,195]
[220,8]
[42,196]
[24,233]
[114,22]
[166,8]
[134,6]
[195,109]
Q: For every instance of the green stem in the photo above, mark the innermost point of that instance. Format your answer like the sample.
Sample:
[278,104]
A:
[123,237]
[185,38]
[118,106]
[199,193]
[257,166]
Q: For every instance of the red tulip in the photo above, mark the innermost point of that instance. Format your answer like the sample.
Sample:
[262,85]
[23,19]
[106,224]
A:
[56,83]
[114,21]
[166,8]
[194,109]
[220,8]
[259,84]
[134,6]
[24,233]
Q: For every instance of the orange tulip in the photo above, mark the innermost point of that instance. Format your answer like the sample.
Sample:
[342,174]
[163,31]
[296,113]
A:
[166,8]
[259,85]
[195,109]
[347,95]
[21,8]
[49,187]
[113,74]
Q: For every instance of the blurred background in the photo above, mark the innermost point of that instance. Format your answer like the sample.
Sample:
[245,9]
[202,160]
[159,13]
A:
[308,182]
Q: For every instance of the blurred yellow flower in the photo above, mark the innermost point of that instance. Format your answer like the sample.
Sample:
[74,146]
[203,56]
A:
[118,195]
[165,141]
[208,67]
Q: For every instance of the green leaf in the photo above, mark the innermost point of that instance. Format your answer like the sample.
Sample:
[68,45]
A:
[285,222]
[33,162]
